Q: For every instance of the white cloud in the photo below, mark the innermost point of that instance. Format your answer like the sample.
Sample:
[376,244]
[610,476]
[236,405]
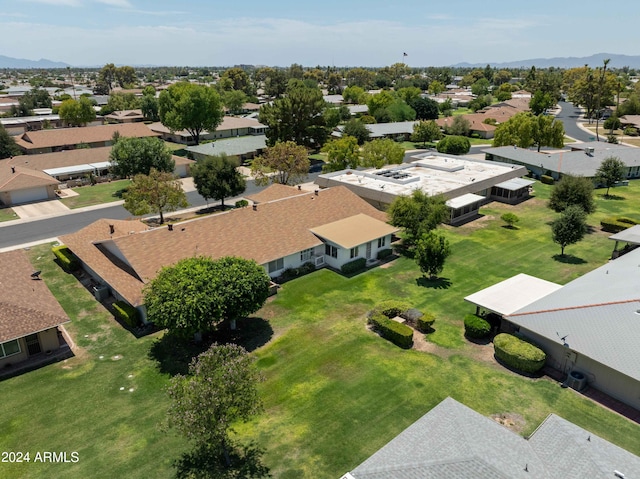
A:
[116,3]
[59,3]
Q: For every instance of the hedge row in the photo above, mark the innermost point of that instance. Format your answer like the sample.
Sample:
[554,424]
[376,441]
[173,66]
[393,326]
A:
[547,180]
[390,308]
[615,224]
[398,333]
[292,273]
[476,327]
[66,258]
[518,354]
[384,253]
[126,313]
[425,323]
[354,266]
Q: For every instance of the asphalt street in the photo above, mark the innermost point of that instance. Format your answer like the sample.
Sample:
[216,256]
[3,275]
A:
[569,115]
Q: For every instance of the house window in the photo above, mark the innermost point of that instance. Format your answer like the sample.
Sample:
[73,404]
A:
[306,254]
[382,241]
[354,252]
[330,250]
[276,265]
[9,348]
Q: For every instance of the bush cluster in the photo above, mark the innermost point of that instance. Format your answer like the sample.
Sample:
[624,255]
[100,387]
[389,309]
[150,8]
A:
[242,203]
[354,266]
[398,333]
[384,253]
[292,273]
[127,313]
[425,322]
[66,258]
[615,224]
[476,327]
[547,180]
[518,354]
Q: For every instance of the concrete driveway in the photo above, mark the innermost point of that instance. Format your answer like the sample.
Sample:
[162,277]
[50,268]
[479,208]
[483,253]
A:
[41,208]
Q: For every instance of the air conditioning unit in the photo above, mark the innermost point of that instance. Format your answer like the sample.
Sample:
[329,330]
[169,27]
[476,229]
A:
[576,380]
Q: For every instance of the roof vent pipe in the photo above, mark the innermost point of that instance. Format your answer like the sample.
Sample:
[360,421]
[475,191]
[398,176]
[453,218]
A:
[255,207]
[112,229]
[170,227]
[13,169]
[315,192]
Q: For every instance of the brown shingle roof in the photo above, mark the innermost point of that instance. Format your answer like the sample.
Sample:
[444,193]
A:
[228,123]
[61,159]
[275,192]
[22,178]
[124,114]
[26,305]
[83,243]
[276,229]
[69,137]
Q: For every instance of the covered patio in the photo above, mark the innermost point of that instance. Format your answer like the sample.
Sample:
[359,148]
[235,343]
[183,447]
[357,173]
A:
[630,236]
[512,191]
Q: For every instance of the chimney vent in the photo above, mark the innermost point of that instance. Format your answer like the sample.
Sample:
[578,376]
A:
[299,187]
[315,192]
[13,169]
[255,207]
[170,227]
[112,229]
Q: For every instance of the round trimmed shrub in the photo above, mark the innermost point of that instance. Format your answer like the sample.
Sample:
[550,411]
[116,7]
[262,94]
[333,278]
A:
[476,327]
[518,354]
[425,323]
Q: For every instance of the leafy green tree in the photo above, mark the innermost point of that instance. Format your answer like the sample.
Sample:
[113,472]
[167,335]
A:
[480,102]
[234,100]
[8,147]
[285,162]
[540,102]
[458,126]
[611,171]
[158,192]
[425,108]
[354,94]
[275,82]
[424,131]
[510,218]
[197,294]
[298,117]
[572,191]
[409,94]
[125,76]
[238,80]
[360,77]
[417,214]
[149,107]
[106,79]
[432,250]
[454,145]
[501,77]
[570,227]
[399,111]
[342,153]
[77,113]
[119,102]
[526,130]
[379,152]
[379,101]
[36,98]
[333,115]
[191,107]
[221,390]
[357,129]
[217,178]
[133,156]
[436,87]
[480,87]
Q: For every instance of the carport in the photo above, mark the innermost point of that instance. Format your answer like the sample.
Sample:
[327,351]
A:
[630,236]
[511,295]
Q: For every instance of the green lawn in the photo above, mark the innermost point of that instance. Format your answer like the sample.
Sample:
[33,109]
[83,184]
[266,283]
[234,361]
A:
[96,194]
[177,149]
[334,392]
[7,214]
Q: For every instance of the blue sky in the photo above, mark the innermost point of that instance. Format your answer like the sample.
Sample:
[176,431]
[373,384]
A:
[324,32]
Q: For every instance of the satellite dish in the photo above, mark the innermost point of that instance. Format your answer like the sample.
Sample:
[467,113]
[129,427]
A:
[36,274]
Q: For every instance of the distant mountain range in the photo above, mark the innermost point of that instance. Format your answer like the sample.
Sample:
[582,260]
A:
[9,62]
[617,61]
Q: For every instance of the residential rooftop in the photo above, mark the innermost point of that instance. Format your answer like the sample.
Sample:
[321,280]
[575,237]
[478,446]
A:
[232,146]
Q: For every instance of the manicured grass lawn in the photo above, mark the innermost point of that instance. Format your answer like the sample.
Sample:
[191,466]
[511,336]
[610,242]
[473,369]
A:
[334,392]
[7,214]
[481,141]
[177,149]
[96,194]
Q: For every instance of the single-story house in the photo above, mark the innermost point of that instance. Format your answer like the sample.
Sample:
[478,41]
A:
[630,120]
[466,183]
[453,441]
[243,148]
[583,159]
[49,141]
[124,116]
[329,227]
[18,125]
[476,125]
[231,126]
[24,185]
[358,110]
[589,325]
[29,314]
[391,130]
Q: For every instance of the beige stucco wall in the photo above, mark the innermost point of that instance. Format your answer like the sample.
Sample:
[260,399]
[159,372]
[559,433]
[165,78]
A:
[48,342]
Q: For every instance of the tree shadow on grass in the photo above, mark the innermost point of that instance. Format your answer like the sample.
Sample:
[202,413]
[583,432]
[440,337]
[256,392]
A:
[438,283]
[120,193]
[510,227]
[174,353]
[612,197]
[568,259]
[204,463]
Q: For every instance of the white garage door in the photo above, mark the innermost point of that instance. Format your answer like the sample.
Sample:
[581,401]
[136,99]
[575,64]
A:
[29,194]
